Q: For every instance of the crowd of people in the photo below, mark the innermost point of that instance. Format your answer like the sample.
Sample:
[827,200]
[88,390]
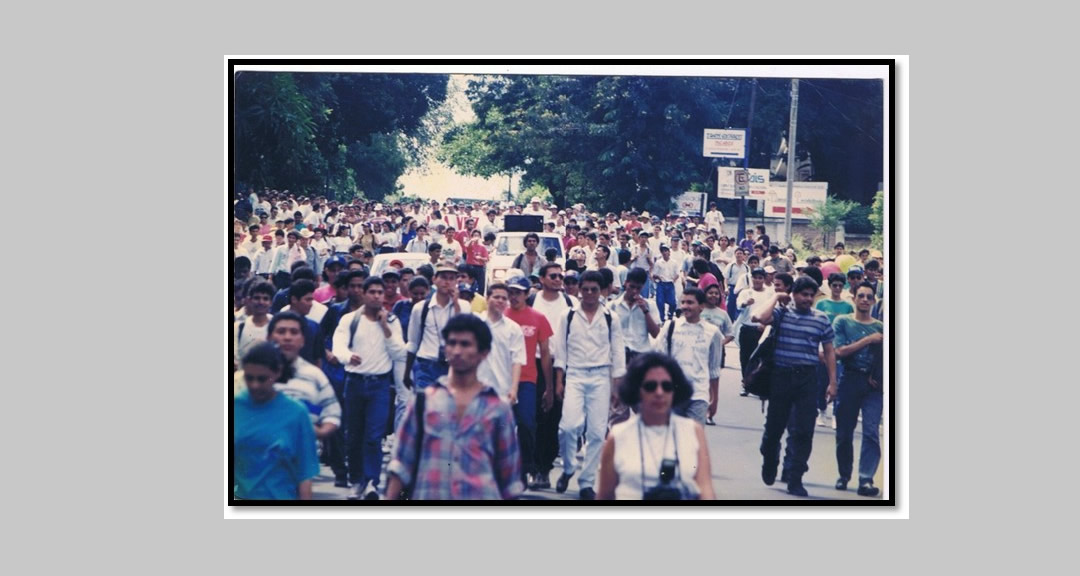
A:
[612,357]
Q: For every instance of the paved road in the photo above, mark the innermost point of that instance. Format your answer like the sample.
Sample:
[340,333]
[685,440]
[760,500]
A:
[733,448]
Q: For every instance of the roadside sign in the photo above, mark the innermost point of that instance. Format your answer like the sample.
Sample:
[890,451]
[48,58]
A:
[742,183]
[724,144]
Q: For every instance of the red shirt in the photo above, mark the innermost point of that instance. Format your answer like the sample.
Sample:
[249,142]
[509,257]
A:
[474,253]
[388,303]
[536,329]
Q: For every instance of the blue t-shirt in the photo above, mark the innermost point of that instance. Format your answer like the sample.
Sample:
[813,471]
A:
[848,331]
[273,446]
[403,310]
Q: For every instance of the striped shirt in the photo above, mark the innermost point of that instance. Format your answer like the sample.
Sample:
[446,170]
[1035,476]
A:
[475,457]
[310,387]
[800,335]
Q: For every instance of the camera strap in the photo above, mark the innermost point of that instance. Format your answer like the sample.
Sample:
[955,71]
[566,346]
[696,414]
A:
[668,433]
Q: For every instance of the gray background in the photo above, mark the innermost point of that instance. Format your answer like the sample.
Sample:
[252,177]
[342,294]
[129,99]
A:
[113,434]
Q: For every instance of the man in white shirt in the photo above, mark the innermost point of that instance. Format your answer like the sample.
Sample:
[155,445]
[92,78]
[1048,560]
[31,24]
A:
[491,226]
[698,347]
[750,331]
[367,342]
[603,260]
[666,272]
[426,361]
[642,256]
[313,218]
[264,258]
[639,317]
[589,360]
[714,219]
[502,368]
[250,246]
[420,243]
[733,275]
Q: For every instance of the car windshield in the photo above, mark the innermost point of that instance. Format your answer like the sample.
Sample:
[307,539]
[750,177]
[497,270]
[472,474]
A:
[514,245]
[410,260]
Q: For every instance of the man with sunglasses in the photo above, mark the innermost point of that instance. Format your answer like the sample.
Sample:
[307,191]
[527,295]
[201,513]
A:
[856,337]
[589,360]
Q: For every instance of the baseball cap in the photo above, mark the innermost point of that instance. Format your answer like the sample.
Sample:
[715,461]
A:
[335,261]
[758,272]
[465,288]
[855,270]
[665,247]
[519,283]
[267,238]
[770,270]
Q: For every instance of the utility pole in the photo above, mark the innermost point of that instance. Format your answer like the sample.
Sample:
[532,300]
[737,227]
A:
[791,158]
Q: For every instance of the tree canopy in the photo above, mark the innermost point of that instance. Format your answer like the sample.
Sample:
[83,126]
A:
[613,142]
[332,134]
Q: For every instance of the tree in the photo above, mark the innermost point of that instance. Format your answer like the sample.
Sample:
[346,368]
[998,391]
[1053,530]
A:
[828,215]
[877,218]
[336,134]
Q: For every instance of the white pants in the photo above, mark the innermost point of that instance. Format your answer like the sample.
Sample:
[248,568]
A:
[586,401]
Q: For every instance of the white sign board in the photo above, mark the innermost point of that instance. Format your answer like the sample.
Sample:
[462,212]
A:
[758,183]
[805,196]
[724,144]
[742,183]
[693,203]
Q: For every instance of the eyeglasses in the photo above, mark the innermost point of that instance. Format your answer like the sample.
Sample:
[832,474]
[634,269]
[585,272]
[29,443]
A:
[589,290]
[650,385]
[837,285]
[864,296]
[555,276]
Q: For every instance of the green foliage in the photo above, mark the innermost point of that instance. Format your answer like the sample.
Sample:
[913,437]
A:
[616,142]
[338,133]
[534,191]
[803,248]
[858,220]
[877,218]
[828,215]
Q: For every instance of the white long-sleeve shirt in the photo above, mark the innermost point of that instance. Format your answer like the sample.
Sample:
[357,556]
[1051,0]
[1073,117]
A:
[377,352]
[698,348]
[507,350]
[667,270]
[634,327]
[426,344]
[264,261]
[590,345]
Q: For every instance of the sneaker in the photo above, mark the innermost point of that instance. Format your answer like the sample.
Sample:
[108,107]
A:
[821,418]
[341,482]
[841,484]
[370,493]
[563,483]
[709,421]
[541,482]
[357,492]
[834,423]
[795,488]
[868,489]
[785,477]
[587,494]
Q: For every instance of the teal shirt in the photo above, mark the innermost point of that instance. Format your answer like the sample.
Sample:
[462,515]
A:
[273,447]
[848,331]
[834,309]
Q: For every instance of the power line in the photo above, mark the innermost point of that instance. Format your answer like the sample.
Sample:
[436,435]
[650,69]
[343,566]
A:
[845,117]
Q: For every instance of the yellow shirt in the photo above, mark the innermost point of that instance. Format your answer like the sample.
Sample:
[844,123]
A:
[479,304]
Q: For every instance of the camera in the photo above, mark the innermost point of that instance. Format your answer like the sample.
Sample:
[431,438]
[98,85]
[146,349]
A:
[664,491]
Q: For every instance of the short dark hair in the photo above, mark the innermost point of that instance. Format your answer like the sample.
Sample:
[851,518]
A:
[262,287]
[607,251]
[354,274]
[804,283]
[839,245]
[548,266]
[609,277]
[374,281]
[532,235]
[864,251]
[473,324]
[837,277]
[489,237]
[630,390]
[594,277]
[813,272]
[303,273]
[245,262]
[871,265]
[624,256]
[873,291]
[637,276]
[286,316]
[697,294]
[419,281]
[301,288]
[269,355]
[786,279]
[498,286]
[433,247]
[405,271]
[426,271]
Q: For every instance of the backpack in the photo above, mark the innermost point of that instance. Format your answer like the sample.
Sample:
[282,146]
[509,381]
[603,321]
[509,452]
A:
[670,332]
[758,377]
[570,318]
[390,318]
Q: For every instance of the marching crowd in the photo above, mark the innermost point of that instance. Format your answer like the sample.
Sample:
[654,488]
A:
[479,391]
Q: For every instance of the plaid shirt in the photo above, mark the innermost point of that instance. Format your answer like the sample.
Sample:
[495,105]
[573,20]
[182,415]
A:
[476,458]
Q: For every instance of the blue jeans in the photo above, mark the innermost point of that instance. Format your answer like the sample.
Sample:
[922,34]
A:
[427,372]
[525,416]
[732,308]
[792,405]
[855,394]
[367,408]
[665,299]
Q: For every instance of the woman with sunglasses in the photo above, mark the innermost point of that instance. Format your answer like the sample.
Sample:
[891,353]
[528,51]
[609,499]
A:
[273,439]
[655,455]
